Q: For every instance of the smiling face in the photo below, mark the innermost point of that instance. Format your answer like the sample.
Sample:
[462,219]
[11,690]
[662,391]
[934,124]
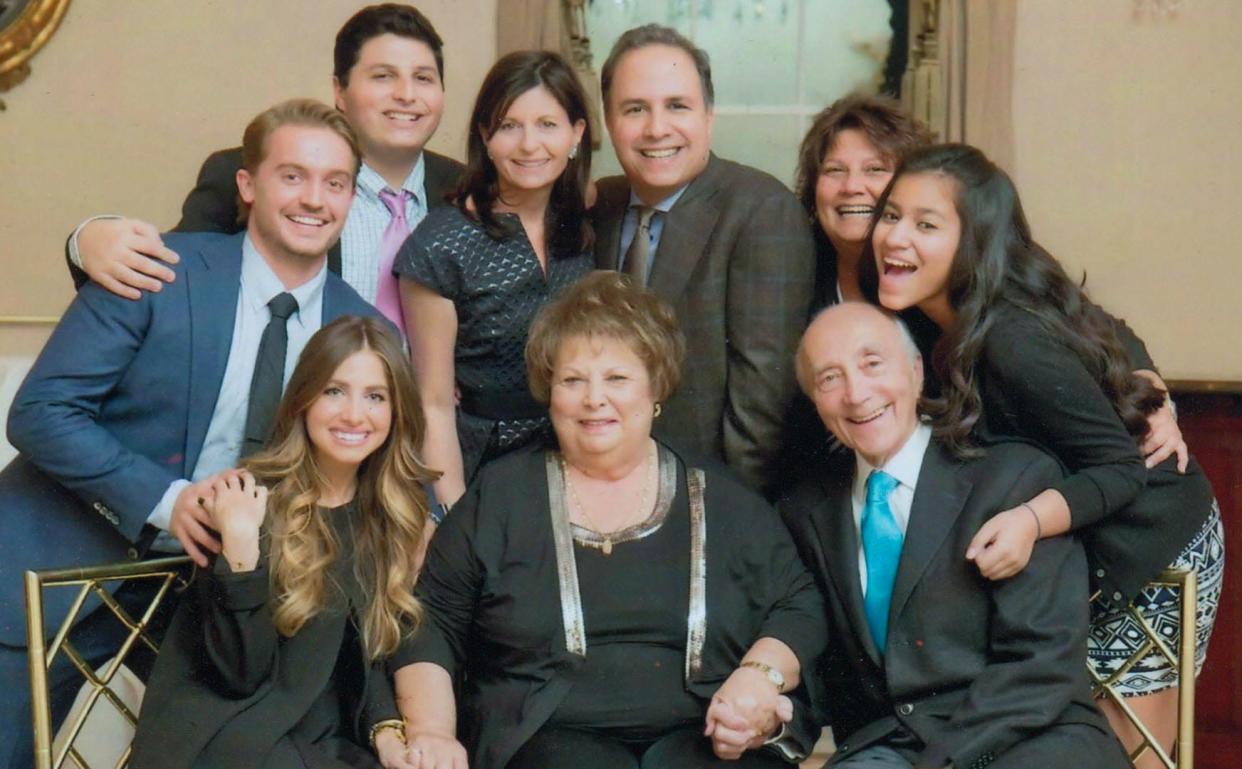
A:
[915,241]
[352,416]
[852,177]
[601,403]
[865,380]
[300,193]
[393,98]
[531,144]
[659,122]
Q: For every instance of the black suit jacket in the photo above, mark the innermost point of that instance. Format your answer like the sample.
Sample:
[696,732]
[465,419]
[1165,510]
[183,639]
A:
[972,667]
[736,262]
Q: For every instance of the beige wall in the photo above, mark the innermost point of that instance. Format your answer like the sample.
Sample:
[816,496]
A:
[1127,128]
[130,96]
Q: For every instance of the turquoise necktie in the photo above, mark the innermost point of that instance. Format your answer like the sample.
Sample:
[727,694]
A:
[881,540]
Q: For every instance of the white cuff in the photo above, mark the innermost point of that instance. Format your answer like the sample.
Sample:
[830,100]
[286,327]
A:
[161,516]
[75,256]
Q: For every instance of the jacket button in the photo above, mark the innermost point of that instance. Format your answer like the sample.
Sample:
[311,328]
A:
[1099,573]
[905,709]
[1117,595]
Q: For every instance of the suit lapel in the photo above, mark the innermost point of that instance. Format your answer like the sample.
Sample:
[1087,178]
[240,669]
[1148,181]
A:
[687,228]
[837,545]
[938,500]
[212,287]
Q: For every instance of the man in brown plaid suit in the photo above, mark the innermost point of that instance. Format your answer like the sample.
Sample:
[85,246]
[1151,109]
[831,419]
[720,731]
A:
[727,245]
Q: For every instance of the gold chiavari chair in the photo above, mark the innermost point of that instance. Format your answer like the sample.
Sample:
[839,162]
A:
[88,581]
[1183,661]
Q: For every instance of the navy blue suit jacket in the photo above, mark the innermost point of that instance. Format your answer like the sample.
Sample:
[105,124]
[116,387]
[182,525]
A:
[114,410]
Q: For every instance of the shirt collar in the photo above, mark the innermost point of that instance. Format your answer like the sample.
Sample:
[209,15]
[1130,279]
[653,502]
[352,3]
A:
[664,206]
[904,465]
[260,284]
[370,183]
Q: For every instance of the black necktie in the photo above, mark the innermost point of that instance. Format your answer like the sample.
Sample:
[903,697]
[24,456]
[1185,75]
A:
[269,374]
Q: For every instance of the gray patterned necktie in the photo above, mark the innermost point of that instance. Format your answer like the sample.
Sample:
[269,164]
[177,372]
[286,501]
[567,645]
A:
[638,254]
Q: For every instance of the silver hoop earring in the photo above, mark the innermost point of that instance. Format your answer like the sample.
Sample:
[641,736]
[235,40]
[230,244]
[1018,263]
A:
[659,409]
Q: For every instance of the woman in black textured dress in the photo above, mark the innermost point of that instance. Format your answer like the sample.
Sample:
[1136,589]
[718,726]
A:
[473,276]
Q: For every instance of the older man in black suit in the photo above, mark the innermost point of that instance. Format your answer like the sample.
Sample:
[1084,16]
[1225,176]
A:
[727,245]
[933,665]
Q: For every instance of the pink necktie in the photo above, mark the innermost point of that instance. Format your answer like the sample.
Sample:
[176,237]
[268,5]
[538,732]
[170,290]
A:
[387,297]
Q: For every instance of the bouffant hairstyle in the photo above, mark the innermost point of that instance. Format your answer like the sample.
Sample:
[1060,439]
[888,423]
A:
[607,304]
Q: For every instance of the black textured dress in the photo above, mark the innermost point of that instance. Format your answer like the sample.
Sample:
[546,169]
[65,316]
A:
[497,287]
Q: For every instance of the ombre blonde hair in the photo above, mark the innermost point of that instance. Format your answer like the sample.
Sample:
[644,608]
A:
[391,504]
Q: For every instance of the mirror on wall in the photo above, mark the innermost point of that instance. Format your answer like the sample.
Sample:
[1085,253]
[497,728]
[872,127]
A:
[25,27]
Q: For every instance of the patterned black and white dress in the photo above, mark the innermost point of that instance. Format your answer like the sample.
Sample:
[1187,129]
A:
[497,287]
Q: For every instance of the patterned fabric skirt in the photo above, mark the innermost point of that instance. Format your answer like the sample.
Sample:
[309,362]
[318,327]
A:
[1115,634]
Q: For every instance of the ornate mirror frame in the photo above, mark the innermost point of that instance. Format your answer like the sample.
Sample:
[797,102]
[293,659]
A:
[25,27]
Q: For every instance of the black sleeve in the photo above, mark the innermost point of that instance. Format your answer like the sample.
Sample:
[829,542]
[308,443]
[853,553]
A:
[1038,630]
[448,588]
[1042,385]
[212,206]
[239,639]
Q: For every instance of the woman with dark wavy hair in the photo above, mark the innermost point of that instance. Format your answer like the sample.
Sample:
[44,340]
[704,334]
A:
[1023,354]
[473,276]
[276,655]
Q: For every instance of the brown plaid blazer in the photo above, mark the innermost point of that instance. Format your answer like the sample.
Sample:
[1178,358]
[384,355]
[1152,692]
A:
[737,263]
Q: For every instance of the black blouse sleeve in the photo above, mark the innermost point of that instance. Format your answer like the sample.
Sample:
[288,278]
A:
[239,638]
[427,258]
[1041,385]
[448,588]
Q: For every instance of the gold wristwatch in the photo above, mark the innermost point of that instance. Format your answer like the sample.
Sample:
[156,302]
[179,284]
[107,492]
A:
[772,673]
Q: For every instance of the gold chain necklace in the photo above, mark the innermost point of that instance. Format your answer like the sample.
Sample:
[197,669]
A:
[644,503]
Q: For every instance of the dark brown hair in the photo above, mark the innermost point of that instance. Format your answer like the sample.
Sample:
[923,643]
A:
[654,34]
[998,263]
[383,19]
[884,122]
[568,232]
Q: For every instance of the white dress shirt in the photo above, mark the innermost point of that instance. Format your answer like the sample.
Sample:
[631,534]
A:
[223,442]
[368,219]
[904,466]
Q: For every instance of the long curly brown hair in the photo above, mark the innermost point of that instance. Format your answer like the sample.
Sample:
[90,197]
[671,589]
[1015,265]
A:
[391,504]
[998,263]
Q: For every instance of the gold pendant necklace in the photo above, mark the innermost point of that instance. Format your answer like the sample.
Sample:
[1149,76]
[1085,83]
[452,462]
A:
[644,503]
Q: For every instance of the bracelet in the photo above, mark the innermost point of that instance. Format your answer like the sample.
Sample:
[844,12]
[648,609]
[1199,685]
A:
[1039,530]
[391,723]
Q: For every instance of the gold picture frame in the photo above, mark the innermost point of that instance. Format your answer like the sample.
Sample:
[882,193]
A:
[25,27]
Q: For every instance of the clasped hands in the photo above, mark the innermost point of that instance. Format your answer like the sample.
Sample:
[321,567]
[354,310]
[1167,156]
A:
[228,500]
[744,712]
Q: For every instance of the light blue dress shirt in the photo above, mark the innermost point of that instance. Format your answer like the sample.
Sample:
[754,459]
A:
[368,219]
[629,225]
[223,442]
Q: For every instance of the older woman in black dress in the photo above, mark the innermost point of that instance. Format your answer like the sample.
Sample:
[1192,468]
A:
[276,655]
[1023,354]
[473,276]
[606,602]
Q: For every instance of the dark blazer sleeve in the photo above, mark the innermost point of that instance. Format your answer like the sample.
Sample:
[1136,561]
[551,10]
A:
[771,280]
[1038,632]
[54,419]
[448,587]
[239,639]
[440,178]
[1042,385]
[212,205]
